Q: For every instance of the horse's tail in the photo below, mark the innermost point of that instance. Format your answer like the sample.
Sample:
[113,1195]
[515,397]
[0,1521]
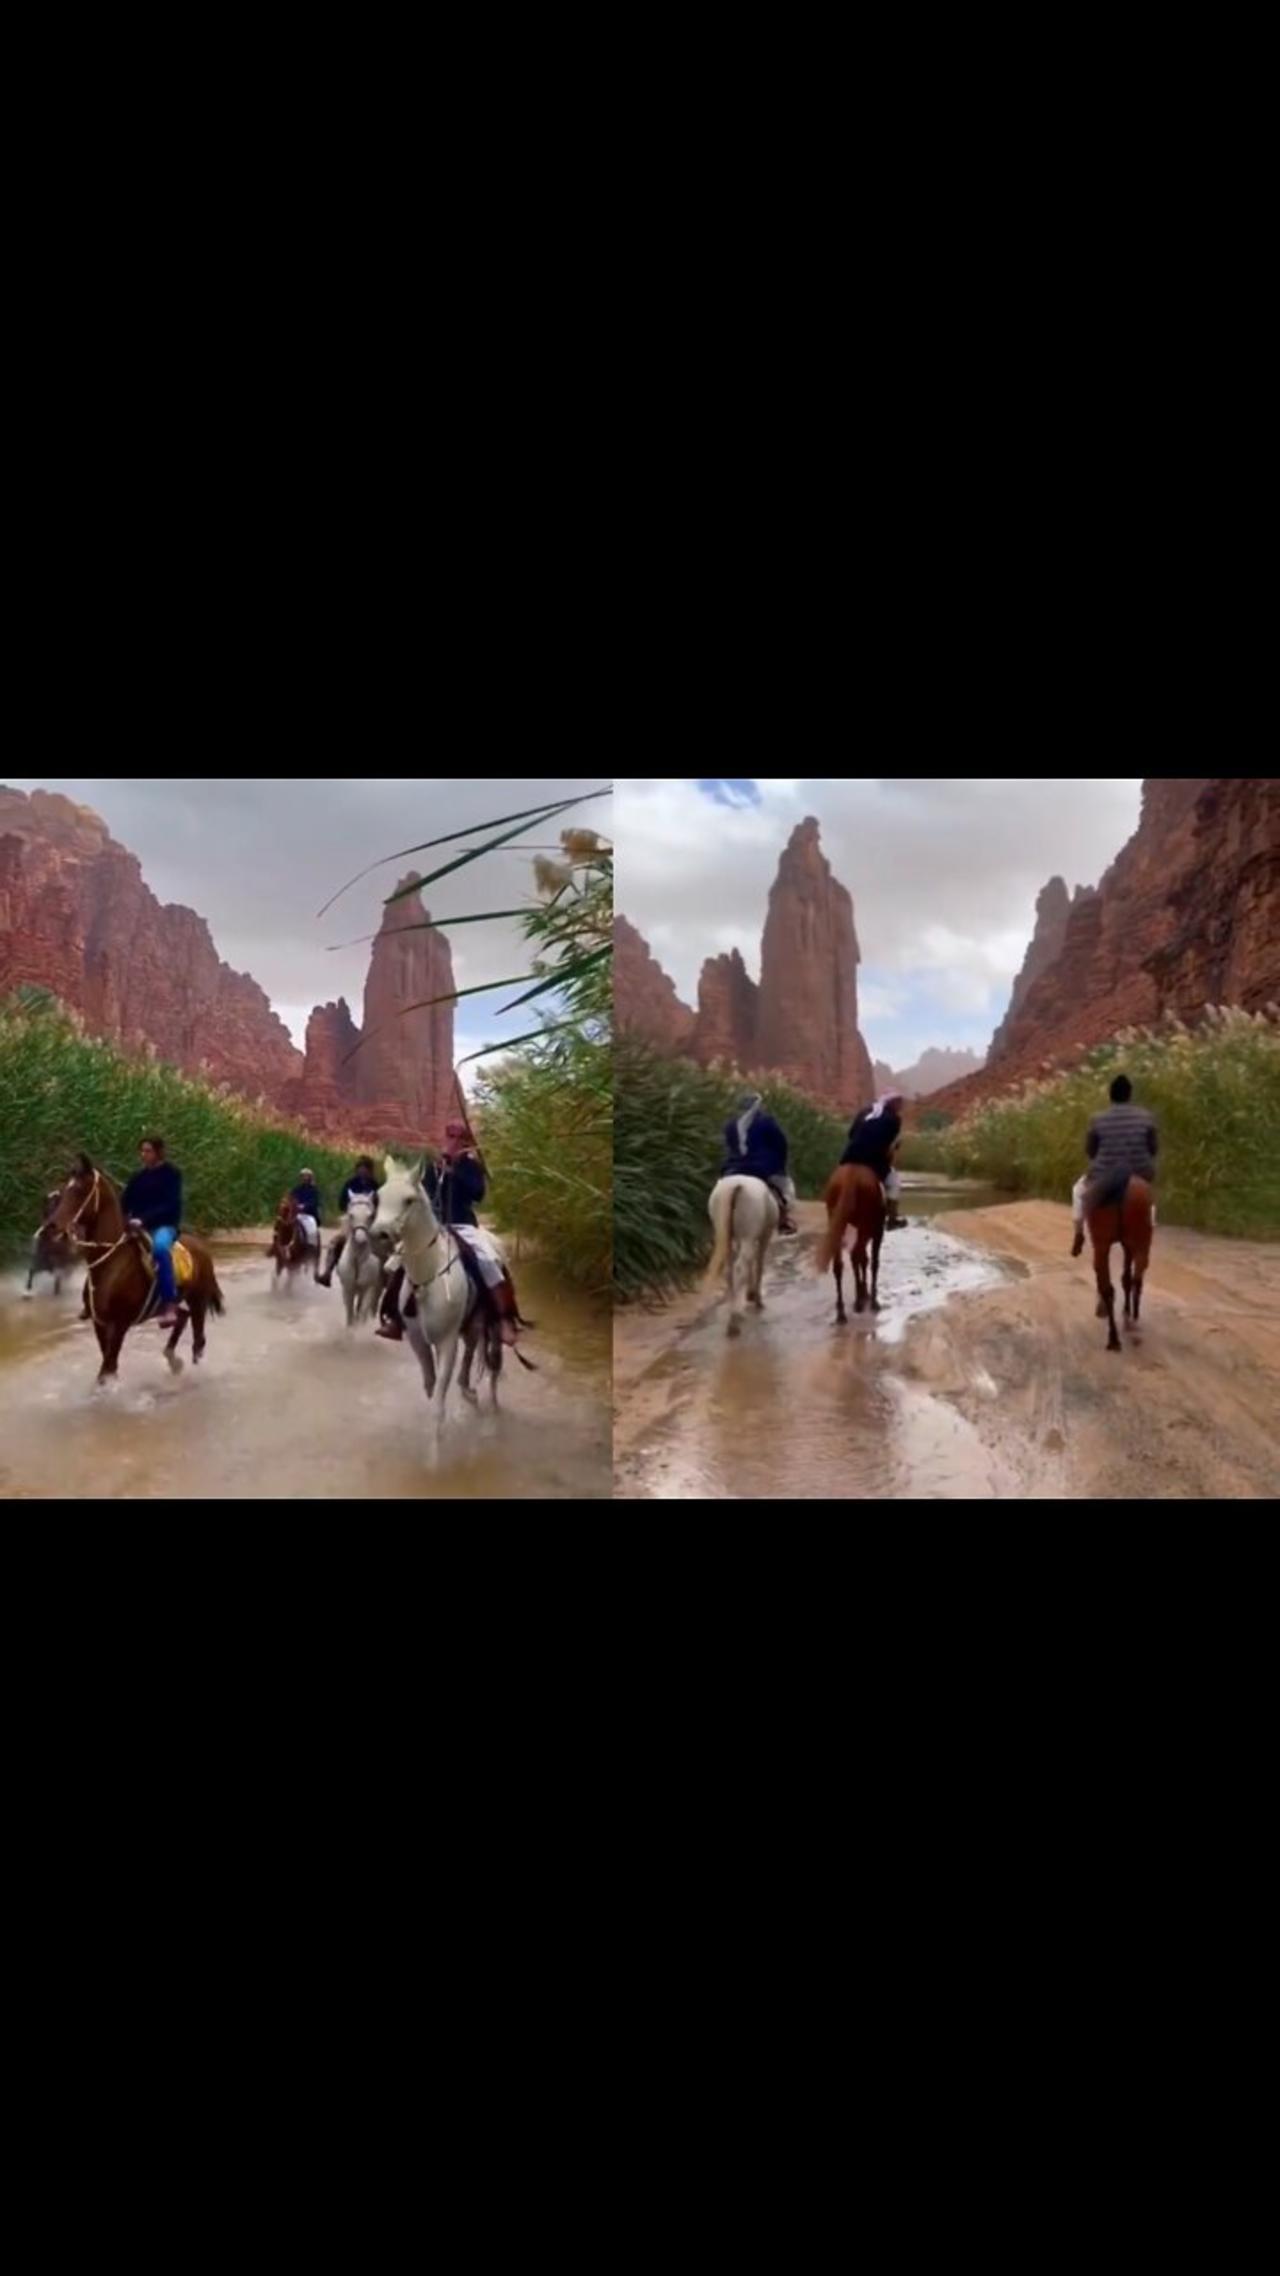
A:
[839,1220]
[723,1221]
[217,1303]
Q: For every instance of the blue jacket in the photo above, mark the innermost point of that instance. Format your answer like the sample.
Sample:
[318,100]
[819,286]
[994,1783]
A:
[766,1154]
[871,1143]
[456,1192]
[154,1197]
[357,1189]
[308,1201]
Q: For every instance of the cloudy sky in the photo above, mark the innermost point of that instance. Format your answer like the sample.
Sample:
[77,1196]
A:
[944,877]
[257,858]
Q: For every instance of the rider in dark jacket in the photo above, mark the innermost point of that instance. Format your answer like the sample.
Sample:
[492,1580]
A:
[874,1135]
[153,1199]
[756,1147]
[361,1182]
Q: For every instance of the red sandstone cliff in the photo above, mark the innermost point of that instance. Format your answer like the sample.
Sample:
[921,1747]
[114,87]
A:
[728,1014]
[76,917]
[801,1021]
[1052,911]
[644,998]
[809,962]
[407,1055]
[1188,914]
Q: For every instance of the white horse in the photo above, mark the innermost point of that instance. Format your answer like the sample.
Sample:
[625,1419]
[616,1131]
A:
[362,1267]
[746,1215]
[447,1311]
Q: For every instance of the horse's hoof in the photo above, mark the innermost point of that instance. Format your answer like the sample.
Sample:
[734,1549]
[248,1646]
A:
[735,1328]
[876,1307]
[1101,1312]
[1114,1344]
[472,1397]
[176,1365]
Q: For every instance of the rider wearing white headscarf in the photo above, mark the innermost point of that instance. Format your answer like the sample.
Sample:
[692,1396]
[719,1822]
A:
[756,1147]
[872,1139]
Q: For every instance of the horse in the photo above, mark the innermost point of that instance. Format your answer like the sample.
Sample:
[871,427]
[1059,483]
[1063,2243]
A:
[50,1252]
[440,1304]
[360,1273]
[1127,1220]
[121,1280]
[745,1214]
[289,1245]
[854,1197]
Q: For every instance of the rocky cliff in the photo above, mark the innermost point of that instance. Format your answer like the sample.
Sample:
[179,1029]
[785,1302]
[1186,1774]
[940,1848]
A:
[1052,911]
[392,1079]
[808,1014]
[1188,914]
[644,998]
[77,918]
[728,1026]
[800,1021]
[932,1071]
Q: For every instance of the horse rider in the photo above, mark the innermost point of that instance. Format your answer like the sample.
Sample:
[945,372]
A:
[1122,1143]
[456,1186]
[306,1200]
[872,1138]
[756,1147]
[361,1185]
[153,1204]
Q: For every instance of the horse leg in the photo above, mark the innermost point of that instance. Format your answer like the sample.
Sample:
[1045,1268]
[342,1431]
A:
[448,1361]
[115,1335]
[842,1317]
[198,1306]
[731,1272]
[755,1294]
[171,1348]
[860,1271]
[1128,1285]
[876,1246]
[470,1343]
[1107,1295]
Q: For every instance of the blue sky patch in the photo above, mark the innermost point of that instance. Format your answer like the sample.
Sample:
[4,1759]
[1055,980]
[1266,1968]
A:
[729,789]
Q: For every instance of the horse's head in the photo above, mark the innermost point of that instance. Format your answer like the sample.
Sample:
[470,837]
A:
[402,1188]
[79,1203]
[361,1211]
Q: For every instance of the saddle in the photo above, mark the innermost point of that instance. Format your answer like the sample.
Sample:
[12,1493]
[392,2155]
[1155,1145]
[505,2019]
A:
[184,1264]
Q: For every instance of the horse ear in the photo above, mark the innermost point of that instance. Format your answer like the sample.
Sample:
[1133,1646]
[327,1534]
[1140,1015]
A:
[390,1168]
[84,1166]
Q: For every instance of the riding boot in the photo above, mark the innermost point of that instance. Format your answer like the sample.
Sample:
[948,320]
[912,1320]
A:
[325,1278]
[391,1326]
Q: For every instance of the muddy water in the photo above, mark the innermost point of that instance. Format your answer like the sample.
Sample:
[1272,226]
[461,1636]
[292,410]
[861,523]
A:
[289,1406]
[801,1408]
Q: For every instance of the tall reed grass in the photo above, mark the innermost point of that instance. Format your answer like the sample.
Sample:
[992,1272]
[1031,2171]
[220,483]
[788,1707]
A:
[62,1090]
[669,1119]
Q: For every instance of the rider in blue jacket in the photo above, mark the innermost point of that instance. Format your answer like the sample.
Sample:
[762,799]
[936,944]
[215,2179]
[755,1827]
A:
[756,1147]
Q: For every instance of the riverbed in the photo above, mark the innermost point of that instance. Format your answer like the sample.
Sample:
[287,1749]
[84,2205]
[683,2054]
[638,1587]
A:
[289,1405]
[986,1376]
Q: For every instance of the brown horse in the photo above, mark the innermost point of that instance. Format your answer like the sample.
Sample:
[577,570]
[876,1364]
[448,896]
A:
[854,1197]
[288,1241]
[121,1278]
[1129,1222]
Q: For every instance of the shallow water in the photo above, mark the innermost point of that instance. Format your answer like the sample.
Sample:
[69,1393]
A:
[288,1405]
[801,1408]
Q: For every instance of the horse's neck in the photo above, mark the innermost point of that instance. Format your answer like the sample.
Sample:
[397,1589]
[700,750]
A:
[108,1225]
[426,1244]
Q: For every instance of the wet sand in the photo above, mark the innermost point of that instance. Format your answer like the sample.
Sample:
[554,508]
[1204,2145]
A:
[986,1376]
[289,1406]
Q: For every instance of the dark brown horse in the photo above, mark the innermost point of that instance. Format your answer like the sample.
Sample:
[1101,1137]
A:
[121,1279]
[288,1241]
[50,1252]
[854,1197]
[1129,1222]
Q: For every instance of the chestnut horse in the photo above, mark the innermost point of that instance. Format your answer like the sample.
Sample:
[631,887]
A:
[1129,1222]
[854,1197]
[121,1279]
[288,1242]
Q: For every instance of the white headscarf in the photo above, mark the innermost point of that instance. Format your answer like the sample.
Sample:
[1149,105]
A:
[749,1107]
[891,1098]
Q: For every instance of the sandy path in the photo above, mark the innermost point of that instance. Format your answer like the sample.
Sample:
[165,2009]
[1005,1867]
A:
[988,1376]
